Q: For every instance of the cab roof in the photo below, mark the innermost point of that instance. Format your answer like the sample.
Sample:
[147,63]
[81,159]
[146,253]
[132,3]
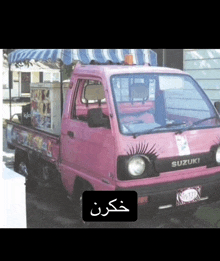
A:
[99,70]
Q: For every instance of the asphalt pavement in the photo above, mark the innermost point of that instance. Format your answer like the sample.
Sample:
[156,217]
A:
[50,208]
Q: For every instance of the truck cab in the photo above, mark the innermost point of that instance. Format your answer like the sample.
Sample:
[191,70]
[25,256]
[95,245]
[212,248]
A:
[142,128]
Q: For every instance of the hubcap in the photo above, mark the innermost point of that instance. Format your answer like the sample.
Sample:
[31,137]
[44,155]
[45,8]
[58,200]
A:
[22,169]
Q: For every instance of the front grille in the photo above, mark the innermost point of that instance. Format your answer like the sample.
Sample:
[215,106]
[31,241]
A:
[184,162]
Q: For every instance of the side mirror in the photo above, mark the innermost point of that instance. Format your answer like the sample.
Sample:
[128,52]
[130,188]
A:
[217,106]
[96,119]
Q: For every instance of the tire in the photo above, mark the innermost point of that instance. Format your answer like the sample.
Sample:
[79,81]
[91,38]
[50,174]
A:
[21,159]
[11,147]
[48,175]
[22,167]
[79,187]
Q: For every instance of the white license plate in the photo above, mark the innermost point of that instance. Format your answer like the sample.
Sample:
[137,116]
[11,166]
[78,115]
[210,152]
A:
[188,195]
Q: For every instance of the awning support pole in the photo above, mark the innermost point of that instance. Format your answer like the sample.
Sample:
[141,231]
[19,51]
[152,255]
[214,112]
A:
[10,86]
[164,57]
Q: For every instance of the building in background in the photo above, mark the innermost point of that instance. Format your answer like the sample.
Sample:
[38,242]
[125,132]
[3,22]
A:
[23,76]
[204,66]
[172,58]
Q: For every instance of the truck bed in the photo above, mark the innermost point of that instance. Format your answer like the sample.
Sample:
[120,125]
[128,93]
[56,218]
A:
[28,138]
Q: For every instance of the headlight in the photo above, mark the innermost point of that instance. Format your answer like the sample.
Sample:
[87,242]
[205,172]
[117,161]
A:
[217,156]
[136,166]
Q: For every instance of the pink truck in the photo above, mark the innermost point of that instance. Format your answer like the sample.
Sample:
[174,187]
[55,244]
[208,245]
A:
[126,127]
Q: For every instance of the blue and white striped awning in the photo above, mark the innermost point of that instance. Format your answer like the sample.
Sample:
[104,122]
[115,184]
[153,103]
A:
[85,56]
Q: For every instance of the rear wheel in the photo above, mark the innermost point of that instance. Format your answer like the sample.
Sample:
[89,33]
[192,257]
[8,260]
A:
[22,166]
[23,169]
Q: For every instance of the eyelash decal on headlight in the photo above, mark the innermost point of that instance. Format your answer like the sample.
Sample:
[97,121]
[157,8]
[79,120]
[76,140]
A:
[143,149]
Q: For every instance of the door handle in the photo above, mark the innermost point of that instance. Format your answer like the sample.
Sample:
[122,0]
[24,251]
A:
[70,134]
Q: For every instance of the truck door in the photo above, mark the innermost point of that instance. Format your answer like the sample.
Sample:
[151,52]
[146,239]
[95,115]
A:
[87,150]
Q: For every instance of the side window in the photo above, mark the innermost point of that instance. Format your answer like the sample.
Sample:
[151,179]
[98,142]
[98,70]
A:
[75,96]
[93,92]
[90,101]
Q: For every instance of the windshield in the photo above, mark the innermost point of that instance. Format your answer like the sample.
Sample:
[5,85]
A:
[149,103]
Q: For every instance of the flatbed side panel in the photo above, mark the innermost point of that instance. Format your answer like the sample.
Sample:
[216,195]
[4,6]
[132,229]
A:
[27,138]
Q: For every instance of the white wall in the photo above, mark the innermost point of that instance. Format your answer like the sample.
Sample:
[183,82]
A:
[13,200]
[204,66]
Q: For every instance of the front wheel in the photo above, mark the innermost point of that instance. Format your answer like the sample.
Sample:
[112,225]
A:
[79,188]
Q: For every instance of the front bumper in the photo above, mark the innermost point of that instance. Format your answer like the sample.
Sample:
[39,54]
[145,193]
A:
[162,196]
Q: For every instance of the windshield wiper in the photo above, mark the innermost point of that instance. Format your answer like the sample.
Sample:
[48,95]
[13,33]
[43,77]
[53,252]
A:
[206,119]
[169,125]
[196,123]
